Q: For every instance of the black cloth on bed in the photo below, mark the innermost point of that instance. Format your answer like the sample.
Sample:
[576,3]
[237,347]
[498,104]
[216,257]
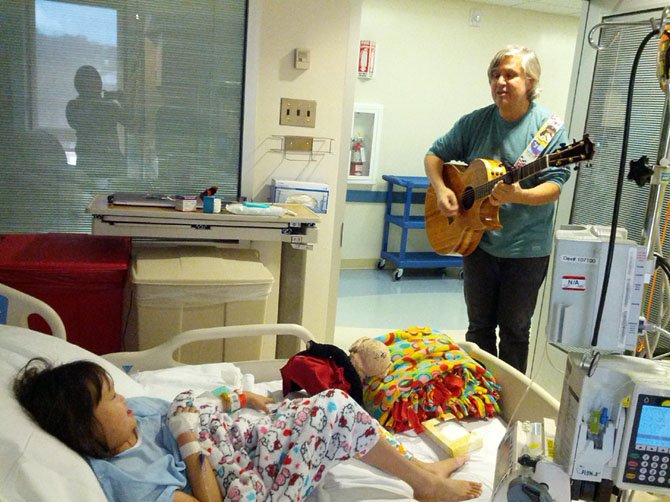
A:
[320,367]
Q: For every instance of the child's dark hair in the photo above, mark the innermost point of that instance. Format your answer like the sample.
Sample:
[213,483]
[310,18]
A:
[62,400]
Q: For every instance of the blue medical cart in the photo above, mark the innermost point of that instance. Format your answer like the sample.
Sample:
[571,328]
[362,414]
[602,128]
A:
[406,222]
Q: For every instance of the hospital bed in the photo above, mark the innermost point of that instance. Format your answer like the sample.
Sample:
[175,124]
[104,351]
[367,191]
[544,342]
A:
[36,467]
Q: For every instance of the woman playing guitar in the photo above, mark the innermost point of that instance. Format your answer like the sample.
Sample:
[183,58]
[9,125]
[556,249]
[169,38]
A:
[505,259]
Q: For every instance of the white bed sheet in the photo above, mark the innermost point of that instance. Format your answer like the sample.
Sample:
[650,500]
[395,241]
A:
[36,467]
[352,480]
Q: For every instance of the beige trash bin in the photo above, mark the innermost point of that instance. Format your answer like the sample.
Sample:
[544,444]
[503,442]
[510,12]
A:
[189,287]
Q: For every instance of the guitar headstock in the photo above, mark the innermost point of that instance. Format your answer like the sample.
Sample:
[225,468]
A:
[578,151]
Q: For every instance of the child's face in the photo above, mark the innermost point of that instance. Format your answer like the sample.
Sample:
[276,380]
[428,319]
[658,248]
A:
[117,421]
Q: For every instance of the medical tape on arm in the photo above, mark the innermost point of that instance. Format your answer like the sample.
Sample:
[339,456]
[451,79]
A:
[184,422]
[189,449]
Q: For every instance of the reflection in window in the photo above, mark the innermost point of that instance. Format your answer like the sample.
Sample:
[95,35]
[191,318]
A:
[103,96]
[66,35]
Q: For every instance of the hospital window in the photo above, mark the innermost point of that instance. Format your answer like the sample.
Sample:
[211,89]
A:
[103,96]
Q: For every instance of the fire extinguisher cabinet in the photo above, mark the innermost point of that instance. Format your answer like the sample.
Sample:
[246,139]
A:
[365,134]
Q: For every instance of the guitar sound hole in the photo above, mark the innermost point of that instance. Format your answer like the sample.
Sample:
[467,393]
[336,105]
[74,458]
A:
[468,198]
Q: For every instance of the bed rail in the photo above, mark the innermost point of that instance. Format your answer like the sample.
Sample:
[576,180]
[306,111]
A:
[162,356]
[16,308]
[521,397]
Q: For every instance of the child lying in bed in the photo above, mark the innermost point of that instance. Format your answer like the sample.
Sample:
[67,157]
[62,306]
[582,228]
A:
[197,449]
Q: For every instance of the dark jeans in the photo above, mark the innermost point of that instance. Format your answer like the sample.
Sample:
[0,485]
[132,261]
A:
[501,292]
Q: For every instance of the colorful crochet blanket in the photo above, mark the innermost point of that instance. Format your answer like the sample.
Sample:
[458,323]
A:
[430,376]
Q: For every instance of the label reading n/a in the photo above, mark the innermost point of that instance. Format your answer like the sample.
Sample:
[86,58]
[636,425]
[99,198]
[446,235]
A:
[573,282]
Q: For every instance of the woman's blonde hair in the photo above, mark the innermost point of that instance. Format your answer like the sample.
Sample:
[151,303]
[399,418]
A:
[529,63]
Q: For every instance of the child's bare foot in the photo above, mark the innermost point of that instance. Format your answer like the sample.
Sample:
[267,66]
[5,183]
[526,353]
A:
[443,468]
[448,490]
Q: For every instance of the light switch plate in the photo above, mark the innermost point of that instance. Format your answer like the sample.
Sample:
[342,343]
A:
[297,112]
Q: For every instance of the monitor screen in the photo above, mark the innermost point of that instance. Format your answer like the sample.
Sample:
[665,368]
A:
[654,426]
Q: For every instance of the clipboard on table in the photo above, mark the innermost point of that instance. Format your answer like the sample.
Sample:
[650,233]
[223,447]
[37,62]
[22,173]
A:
[147,200]
[141,199]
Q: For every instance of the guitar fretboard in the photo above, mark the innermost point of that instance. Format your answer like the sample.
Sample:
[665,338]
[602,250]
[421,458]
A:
[512,176]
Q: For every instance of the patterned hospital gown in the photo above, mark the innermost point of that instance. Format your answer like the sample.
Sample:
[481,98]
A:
[282,455]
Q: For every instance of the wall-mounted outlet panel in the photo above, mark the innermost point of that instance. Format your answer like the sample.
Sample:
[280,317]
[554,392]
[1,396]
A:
[297,112]
[298,143]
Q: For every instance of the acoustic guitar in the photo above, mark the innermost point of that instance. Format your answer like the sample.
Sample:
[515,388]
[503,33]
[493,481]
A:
[472,185]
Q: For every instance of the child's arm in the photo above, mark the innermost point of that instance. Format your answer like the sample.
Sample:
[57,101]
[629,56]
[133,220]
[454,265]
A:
[233,401]
[199,472]
[183,422]
[258,402]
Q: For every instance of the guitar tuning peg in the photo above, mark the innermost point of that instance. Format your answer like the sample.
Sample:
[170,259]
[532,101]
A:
[563,145]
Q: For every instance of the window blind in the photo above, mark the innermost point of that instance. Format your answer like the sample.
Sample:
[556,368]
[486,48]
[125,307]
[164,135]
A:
[108,96]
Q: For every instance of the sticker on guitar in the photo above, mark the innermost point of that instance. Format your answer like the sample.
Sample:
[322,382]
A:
[472,184]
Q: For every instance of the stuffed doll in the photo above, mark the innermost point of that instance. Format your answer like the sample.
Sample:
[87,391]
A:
[323,366]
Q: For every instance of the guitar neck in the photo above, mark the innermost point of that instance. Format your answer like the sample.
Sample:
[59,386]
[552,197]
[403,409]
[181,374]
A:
[512,176]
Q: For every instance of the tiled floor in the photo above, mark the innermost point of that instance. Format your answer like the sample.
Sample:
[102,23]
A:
[371,303]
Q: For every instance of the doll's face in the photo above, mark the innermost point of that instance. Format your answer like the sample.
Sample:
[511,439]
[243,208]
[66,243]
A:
[371,358]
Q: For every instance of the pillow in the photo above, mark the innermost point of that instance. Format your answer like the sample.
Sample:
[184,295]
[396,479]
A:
[33,464]
[430,376]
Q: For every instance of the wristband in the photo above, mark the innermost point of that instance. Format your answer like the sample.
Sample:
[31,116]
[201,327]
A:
[234,398]
[189,449]
[243,399]
[221,390]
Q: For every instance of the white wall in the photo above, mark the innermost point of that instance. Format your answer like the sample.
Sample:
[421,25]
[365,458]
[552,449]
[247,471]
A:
[329,29]
[431,69]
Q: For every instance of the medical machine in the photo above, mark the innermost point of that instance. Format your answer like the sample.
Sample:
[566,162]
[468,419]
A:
[615,424]
[578,273]
[613,427]
[613,430]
